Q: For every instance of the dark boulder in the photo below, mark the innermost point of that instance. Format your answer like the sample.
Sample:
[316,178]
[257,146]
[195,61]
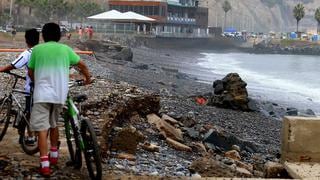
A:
[292,112]
[230,92]
[125,54]
[218,87]
[225,141]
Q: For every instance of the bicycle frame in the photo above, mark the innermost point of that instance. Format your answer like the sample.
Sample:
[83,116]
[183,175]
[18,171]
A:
[73,113]
[14,99]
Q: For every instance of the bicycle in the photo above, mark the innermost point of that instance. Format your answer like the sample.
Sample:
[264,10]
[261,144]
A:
[81,136]
[18,117]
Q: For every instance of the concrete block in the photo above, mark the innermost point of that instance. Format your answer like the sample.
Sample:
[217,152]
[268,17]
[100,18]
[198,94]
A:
[300,139]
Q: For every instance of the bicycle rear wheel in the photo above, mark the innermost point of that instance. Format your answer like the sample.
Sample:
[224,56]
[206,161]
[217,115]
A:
[28,139]
[5,115]
[73,143]
[91,150]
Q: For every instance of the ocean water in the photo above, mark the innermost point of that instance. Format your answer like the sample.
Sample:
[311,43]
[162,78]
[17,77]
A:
[291,80]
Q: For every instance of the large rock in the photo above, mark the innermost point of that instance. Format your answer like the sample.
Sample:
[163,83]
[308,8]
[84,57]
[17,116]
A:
[125,54]
[208,167]
[230,92]
[225,140]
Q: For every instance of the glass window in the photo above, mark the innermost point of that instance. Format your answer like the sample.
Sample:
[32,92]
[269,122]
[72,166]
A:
[144,10]
[156,11]
[135,9]
[147,10]
[163,11]
[140,9]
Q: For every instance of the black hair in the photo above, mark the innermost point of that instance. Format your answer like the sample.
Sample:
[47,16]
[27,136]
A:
[51,32]
[32,37]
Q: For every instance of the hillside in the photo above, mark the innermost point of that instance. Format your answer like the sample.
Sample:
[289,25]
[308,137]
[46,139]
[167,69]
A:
[262,15]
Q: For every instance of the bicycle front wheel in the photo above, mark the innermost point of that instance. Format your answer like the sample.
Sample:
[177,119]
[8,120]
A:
[5,115]
[91,150]
[72,135]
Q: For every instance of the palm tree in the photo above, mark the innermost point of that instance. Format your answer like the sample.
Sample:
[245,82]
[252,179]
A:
[317,17]
[226,6]
[298,13]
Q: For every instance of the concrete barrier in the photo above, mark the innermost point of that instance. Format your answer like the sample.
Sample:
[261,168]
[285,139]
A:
[300,139]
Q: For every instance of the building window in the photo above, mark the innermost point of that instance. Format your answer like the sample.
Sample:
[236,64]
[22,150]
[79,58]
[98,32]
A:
[156,10]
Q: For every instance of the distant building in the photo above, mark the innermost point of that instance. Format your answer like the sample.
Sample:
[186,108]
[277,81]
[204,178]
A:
[173,17]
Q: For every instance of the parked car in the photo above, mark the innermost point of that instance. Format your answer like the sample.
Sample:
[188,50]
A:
[8,28]
[2,30]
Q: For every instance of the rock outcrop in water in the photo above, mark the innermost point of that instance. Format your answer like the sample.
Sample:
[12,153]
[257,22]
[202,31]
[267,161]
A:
[231,93]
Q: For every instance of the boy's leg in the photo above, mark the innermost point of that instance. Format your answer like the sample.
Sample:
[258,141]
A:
[54,133]
[31,135]
[40,123]
[43,143]
[54,136]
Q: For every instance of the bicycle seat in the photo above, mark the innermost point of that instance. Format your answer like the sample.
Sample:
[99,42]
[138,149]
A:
[80,98]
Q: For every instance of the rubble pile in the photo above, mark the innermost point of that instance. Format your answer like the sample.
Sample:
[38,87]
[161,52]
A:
[137,139]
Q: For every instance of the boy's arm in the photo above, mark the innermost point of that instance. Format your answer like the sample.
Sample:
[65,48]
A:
[6,68]
[85,71]
[31,74]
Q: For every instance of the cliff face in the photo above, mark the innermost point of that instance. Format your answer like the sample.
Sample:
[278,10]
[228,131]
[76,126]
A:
[262,15]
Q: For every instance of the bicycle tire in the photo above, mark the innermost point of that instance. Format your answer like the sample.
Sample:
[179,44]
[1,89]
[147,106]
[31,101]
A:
[23,131]
[91,150]
[73,144]
[5,115]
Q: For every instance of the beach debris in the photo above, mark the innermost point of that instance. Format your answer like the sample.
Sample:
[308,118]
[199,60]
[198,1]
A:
[201,100]
[127,140]
[230,92]
[236,147]
[129,157]
[189,120]
[199,147]
[192,132]
[275,170]
[207,166]
[177,145]
[170,120]
[150,147]
[127,108]
[222,139]
[246,166]
[166,129]
[233,154]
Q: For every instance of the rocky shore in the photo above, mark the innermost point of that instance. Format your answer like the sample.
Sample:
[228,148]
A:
[149,123]
[296,48]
